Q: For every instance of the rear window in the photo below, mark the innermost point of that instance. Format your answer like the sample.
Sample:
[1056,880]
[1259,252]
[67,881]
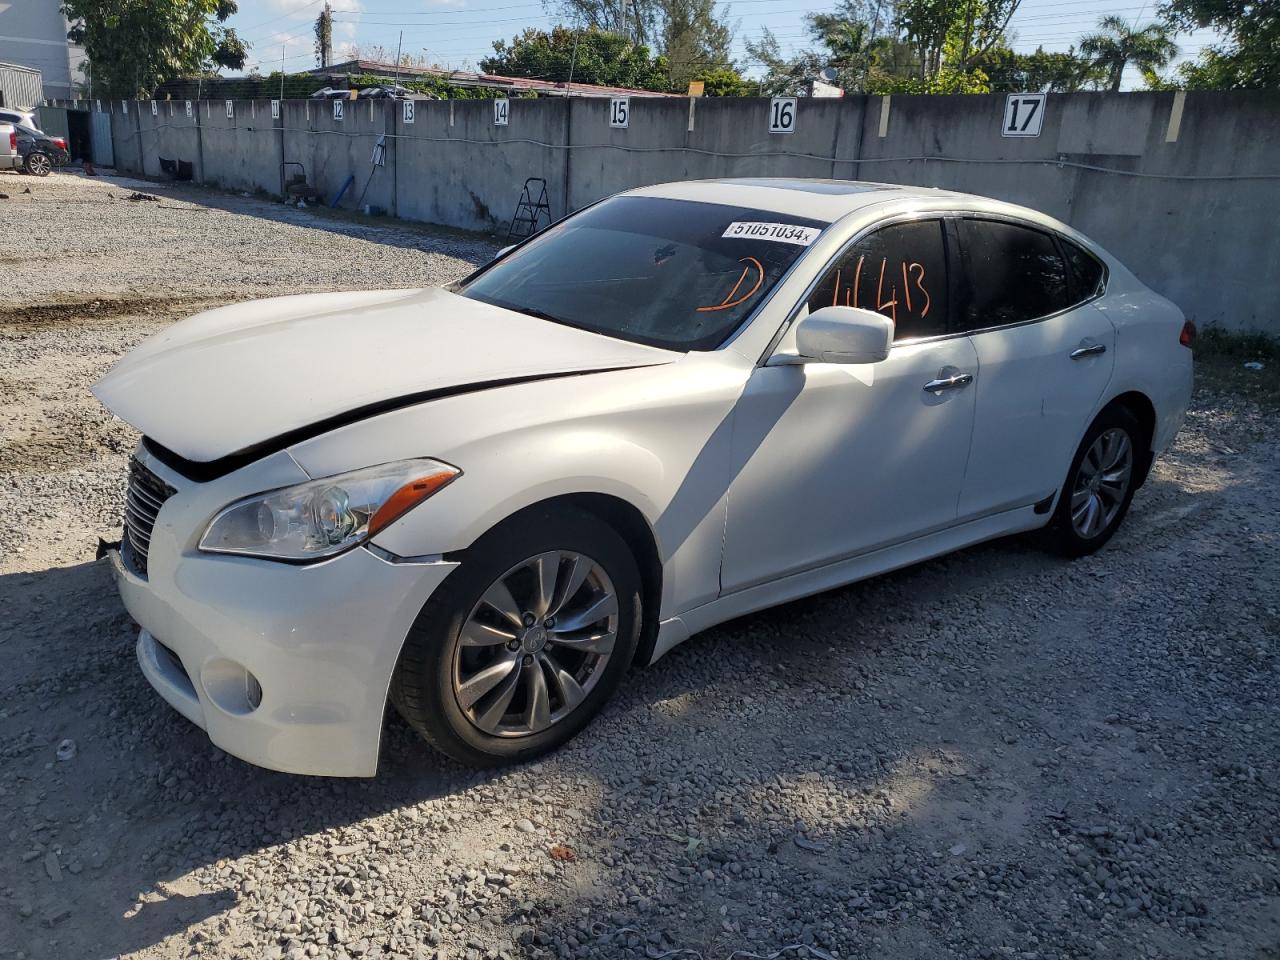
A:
[1087,274]
[669,273]
[1011,274]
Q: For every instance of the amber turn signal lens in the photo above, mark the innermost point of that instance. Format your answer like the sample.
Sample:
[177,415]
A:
[408,497]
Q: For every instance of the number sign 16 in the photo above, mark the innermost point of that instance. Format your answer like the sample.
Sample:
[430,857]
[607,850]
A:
[1023,115]
[501,112]
[782,115]
[620,112]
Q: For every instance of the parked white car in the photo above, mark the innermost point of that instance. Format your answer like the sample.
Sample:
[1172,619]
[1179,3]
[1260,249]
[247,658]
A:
[677,406]
[10,158]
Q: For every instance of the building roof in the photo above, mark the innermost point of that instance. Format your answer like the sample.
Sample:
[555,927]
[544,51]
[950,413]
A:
[465,78]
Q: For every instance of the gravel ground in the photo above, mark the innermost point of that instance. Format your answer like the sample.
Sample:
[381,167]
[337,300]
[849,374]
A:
[996,754]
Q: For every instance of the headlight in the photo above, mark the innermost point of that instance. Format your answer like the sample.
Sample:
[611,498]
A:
[324,517]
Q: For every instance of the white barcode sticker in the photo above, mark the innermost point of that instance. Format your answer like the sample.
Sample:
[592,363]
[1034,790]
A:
[778,232]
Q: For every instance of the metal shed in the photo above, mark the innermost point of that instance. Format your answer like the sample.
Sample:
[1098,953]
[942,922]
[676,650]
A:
[20,87]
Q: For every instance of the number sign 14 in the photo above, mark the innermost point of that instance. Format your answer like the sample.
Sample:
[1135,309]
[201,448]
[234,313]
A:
[1023,115]
[782,115]
[501,112]
[620,112]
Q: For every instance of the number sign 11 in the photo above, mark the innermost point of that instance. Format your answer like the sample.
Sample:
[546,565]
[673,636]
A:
[782,115]
[1023,115]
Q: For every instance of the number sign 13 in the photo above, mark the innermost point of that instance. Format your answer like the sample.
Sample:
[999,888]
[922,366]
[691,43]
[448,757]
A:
[620,112]
[782,115]
[1023,115]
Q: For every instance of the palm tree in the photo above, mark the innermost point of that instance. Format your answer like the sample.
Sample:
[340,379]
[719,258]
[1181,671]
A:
[1119,43]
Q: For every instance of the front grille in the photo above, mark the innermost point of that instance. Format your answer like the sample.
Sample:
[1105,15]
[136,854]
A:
[147,494]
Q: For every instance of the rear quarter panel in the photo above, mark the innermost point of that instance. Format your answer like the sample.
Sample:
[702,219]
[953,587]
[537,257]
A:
[1149,358]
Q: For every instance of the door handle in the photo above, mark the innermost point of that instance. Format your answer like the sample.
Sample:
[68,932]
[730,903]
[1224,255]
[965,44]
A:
[1092,350]
[949,383]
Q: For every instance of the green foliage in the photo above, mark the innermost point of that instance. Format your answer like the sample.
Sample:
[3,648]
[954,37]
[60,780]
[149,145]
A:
[1248,57]
[438,87]
[726,82]
[324,37]
[695,40]
[1044,71]
[917,46]
[585,56]
[134,47]
[1117,43]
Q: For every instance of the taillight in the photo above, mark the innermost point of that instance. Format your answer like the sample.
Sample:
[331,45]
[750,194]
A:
[1188,334]
[13,141]
[60,143]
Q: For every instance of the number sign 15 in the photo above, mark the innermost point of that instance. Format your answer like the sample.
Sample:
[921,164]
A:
[620,112]
[501,112]
[1023,115]
[782,115]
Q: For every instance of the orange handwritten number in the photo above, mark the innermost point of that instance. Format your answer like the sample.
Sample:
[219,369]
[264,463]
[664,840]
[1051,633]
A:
[920,283]
[880,302]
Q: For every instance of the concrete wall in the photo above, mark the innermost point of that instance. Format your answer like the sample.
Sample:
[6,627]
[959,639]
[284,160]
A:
[1190,205]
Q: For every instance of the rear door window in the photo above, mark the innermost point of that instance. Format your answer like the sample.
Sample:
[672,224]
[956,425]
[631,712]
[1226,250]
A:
[899,271]
[1087,274]
[1010,274]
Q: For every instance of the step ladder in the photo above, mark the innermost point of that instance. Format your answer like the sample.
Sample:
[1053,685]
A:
[524,223]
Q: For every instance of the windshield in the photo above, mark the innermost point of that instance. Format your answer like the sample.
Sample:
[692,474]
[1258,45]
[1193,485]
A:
[669,273]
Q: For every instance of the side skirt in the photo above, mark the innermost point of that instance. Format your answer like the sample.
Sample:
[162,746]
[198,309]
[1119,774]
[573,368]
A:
[676,630]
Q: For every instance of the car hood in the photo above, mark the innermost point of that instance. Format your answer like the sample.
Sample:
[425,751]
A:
[231,380]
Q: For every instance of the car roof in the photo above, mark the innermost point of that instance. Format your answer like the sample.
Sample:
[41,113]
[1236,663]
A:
[823,200]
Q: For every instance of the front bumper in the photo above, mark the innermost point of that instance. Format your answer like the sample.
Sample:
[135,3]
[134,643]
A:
[321,640]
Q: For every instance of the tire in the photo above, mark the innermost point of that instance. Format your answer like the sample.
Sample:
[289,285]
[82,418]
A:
[1093,502]
[438,672]
[38,164]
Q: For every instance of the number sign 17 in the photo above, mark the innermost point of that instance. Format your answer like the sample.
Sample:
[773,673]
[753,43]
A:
[1023,115]
[782,115]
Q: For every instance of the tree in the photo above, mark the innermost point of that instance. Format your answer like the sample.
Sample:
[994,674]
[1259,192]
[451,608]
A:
[638,20]
[950,37]
[1248,57]
[1117,43]
[583,56]
[695,39]
[1045,71]
[134,47]
[913,46]
[324,36]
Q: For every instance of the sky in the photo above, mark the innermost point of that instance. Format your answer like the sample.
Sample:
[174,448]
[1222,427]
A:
[458,33]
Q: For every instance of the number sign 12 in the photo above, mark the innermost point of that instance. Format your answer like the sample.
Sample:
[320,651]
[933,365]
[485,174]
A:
[620,112]
[339,109]
[782,115]
[1023,115]
[501,112]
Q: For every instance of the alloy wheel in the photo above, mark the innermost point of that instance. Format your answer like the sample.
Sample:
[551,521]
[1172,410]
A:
[536,644]
[1101,483]
[39,165]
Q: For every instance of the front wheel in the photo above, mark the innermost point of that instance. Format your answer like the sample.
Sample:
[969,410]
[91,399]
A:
[1100,484]
[522,645]
[38,165]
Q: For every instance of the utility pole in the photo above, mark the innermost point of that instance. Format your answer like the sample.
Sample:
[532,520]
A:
[283,47]
[399,44]
[326,38]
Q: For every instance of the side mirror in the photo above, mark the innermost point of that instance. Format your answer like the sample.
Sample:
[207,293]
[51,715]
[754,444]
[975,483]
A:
[504,251]
[844,335]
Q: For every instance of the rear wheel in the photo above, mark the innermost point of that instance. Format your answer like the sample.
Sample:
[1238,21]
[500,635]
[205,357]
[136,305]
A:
[1100,484]
[38,164]
[524,642]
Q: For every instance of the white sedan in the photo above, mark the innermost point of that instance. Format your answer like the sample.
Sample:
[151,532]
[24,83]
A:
[677,406]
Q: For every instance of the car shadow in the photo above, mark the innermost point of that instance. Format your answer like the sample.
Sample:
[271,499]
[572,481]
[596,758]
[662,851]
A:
[105,844]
